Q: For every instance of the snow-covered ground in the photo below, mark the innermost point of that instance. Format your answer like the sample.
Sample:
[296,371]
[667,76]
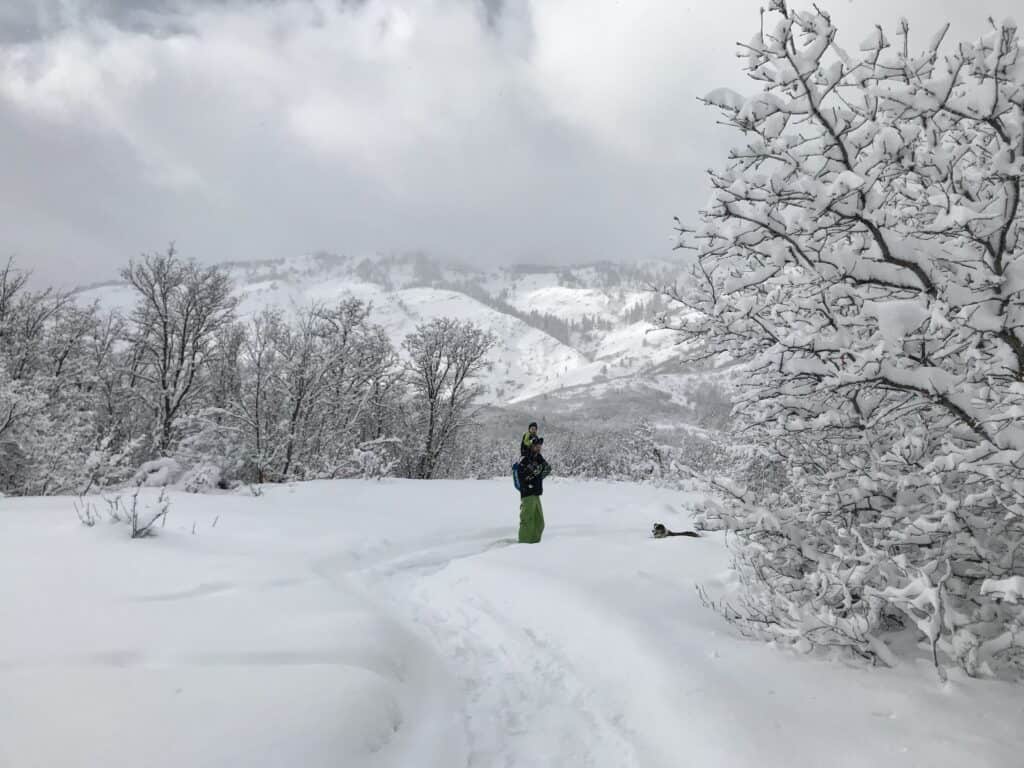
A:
[395,624]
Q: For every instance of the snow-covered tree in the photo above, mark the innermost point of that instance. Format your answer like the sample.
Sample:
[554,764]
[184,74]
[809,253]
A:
[362,364]
[20,404]
[644,458]
[482,451]
[121,424]
[258,410]
[173,327]
[862,255]
[48,421]
[88,398]
[312,394]
[445,356]
[595,453]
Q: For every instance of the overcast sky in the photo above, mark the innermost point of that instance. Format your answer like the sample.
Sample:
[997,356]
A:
[484,130]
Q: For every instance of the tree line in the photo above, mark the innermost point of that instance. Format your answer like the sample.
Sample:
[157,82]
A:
[88,395]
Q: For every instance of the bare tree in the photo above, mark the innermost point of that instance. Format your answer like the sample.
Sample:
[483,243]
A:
[12,284]
[180,311]
[27,318]
[444,357]
[259,409]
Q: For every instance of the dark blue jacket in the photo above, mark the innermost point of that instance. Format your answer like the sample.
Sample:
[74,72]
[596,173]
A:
[532,471]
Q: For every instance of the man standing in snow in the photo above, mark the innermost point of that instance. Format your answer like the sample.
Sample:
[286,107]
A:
[532,470]
[528,436]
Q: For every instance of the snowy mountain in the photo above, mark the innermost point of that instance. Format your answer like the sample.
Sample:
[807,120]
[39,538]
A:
[568,337]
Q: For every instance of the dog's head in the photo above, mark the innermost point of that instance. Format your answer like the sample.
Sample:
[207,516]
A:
[659,531]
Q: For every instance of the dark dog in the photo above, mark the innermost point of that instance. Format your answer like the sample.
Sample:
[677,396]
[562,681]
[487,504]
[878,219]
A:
[659,531]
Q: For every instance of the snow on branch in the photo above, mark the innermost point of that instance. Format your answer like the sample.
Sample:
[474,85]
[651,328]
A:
[862,256]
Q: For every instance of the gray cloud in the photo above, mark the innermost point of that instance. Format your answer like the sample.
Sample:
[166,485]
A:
[542,130]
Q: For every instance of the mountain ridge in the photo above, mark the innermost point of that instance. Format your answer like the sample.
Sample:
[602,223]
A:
[564,332]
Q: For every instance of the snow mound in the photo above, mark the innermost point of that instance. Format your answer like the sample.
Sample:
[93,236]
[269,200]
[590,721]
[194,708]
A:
[202,478]
[1009,590]
[158,473]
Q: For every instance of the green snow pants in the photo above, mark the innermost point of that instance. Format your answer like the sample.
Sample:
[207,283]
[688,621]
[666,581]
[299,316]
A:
[531,520]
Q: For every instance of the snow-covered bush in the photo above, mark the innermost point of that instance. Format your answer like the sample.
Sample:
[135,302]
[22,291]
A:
[862,255]
[202,478]
[594,454]
[107,465]
[610,454]
[158,473]
[145,520]
[86,512]
[212,452]
[481,452]
[488,450]
[372,460]
[642,458]
[13,466]
[140,516]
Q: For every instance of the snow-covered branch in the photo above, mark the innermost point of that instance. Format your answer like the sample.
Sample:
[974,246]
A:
[862,256]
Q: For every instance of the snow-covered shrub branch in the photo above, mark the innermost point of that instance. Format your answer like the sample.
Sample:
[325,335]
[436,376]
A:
[862,256]
[143,520]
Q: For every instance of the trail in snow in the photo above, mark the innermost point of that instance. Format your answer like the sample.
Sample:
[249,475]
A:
[397,625]
[526,700]
[523,701]
[593,650]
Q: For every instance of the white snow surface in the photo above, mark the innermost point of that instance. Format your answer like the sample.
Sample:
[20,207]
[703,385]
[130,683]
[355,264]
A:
[357,624]
[1010,590]
[536,294]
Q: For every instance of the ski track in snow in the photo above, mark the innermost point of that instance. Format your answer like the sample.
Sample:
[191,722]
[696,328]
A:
[525,702]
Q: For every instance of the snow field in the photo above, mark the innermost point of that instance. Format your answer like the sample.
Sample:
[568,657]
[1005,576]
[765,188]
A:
[397,624]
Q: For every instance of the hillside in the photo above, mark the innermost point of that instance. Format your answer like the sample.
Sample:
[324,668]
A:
[567,337]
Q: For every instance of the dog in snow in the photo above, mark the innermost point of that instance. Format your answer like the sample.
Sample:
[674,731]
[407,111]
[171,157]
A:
[659,531]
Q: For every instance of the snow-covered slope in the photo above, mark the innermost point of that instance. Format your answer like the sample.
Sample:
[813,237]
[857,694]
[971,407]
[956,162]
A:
[557,329]
[522,353]
[395,624]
